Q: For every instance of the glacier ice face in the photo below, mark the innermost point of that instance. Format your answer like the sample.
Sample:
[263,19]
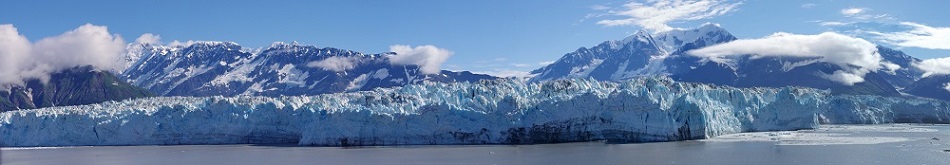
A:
[484,112]
[849,109]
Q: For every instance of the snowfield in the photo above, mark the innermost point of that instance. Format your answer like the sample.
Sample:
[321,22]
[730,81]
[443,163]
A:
[485,112]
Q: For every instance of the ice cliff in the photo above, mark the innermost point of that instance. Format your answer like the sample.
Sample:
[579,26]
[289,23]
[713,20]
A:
[484,112]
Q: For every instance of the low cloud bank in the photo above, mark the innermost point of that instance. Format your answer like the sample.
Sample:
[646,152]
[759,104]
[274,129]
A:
[857,56]
[428,57]
[337,64]
[937,66]
[87,45]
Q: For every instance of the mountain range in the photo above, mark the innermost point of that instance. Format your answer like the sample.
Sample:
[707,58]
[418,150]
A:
[283,69]
[664,54]
[211,68]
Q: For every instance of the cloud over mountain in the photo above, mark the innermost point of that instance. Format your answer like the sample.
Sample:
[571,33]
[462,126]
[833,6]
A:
[337,64]
[149,38]
[935,66]
[428,57]
[86,45]
[14,53]
[856,55]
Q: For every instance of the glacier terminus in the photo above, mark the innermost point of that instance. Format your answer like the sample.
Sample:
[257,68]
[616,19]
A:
[502,111]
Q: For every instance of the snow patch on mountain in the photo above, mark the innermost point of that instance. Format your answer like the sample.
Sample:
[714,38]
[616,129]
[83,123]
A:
[240,73]
[789,65]
[357,83]
[584,71]
[187,73]
[381,73]
[288,74]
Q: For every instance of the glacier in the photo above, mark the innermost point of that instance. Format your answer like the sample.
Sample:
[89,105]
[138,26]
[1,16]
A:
[503,111]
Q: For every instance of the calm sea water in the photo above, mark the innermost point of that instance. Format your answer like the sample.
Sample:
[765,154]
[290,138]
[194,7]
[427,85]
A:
[834,144]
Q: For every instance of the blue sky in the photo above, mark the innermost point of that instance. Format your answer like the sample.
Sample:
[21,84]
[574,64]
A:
[493,36]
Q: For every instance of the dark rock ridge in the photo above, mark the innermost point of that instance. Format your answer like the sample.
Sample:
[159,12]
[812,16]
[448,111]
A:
[75,86]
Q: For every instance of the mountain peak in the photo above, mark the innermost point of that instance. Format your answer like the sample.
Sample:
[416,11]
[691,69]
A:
[710,26]
[708,33]
[641,35]
[187,44]
[284,44]
[293,46]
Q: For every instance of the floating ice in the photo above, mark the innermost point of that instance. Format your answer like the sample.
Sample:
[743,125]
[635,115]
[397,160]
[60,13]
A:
[825,135]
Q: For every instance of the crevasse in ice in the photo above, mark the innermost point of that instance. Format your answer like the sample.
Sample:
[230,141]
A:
[485,112]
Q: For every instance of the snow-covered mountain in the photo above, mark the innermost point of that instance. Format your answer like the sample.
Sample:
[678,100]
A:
[485,112]
[663,54]
[611,60]
[73,86]
[227,69]
[640,54]
[907,74]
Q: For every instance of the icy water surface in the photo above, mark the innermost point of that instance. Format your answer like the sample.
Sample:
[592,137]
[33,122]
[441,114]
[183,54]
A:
[831,144]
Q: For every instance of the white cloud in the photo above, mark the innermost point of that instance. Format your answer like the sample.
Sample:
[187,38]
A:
[149,38]
[87,45]
[428,57]
[337,64]
[936,66]
[845,77]
[14,53]
[832,23]
[599,7]
[921,36]
[177,43]
[857,56]
[545,62]
[809,5]
[890,67]
[862,14]
[852,11]
[520,65]
[946,86]
[655,15]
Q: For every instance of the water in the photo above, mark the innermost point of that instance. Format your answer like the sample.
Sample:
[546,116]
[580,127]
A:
[833,144]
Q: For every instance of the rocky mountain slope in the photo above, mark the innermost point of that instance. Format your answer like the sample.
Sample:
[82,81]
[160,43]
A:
[75,86]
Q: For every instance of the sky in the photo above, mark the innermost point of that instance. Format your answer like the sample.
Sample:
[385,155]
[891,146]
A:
[500,37]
